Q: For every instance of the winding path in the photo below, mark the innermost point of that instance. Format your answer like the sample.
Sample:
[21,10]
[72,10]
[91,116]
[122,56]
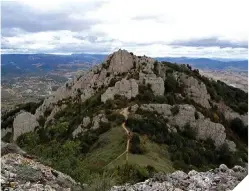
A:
[125,113]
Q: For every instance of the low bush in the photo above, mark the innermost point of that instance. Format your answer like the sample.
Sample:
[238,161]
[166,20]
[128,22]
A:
[135,144]
[175,110]
[129,173]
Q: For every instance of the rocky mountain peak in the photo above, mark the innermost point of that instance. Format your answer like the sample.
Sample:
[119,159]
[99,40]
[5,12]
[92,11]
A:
[170,106]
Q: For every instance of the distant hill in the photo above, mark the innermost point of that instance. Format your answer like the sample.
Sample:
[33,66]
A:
[18,64]
[206,63]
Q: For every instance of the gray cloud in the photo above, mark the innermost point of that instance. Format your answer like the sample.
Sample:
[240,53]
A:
[211,42]
[16,15]
[146,17]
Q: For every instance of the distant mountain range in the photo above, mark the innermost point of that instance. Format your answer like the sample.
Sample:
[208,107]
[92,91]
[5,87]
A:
[18,64]
[207,63]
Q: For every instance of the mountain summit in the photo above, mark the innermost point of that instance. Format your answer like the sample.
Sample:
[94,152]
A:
[132,117]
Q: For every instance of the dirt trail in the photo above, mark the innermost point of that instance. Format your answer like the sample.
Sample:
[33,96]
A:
[125,113]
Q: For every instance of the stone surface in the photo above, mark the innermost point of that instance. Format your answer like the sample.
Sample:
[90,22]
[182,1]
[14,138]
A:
[231,145]
[221,178]
[82,127]
[230,115]
[97,119]
[127,88]
[208,129]
[24,122]
[120,62]
[204,127]
[157,83]
[163,109]
[21,173]
[86,121]
[196,90]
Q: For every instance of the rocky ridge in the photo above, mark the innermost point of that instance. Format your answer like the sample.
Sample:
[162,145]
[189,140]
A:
[121,74]
[221,178]
[142,85]
[20,172]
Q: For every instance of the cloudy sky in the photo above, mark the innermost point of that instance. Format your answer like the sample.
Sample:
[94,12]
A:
[192,28]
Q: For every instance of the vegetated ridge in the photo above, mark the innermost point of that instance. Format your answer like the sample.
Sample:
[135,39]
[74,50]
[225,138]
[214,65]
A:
[179,120]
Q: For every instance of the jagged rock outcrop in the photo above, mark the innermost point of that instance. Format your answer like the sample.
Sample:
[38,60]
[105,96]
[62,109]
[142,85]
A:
[97,119]
[230,115]
[7,148]
[156,83]
[55,110]
[187,115]
[83,127]
[221,178]
[120,62]
[24,122]
[207,129]
[5,131]
[231,145]
[196,90]
[127,88]
[21,173]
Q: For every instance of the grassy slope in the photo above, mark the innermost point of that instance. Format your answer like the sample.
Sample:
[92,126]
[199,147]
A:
[113,143]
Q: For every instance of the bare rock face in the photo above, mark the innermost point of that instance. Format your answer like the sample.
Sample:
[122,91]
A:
[208,129]
[97,119]
[221,178]
[157,83]
[82,127]
[230,115]
[53,112]
[21,173]
[23,123]
[231,145]
[204,127]
[127,88]
[162,109]
[86,121]
[196,90]
[120,61]
[5,131]
[185,115]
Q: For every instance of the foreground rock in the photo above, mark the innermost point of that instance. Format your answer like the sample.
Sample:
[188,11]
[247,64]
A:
[221,178]
[21,173]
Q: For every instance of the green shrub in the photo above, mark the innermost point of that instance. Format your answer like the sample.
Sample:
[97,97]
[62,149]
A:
[8,137]
[135,147]
[171,99]
[175,110]
[129,173]
[196,115]
[101,182]
[188,131]
[117,118]
[41,120]
[170,83]
[240,129]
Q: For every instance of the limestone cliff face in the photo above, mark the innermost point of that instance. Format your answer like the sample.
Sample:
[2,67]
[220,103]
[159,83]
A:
[196,90]
[204,127]
[24,122]
[122,73]
[121,61]
[127,88]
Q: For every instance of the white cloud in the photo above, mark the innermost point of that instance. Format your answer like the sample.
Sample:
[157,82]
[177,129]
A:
[144,27]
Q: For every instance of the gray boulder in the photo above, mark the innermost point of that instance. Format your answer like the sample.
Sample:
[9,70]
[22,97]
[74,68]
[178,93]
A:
[23,123]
